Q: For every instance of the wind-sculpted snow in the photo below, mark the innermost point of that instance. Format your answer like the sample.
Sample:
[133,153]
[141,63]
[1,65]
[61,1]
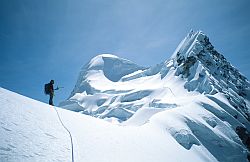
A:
[159,68]
[202,128]
[192,107]
[199,67]
[110,66]
[135,96]
[206,70]
[31,131]
[119,91]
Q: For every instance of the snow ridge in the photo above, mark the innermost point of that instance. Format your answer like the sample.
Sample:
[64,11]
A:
[202,68]
[30,132]
[108,67]
[195,73]
[191,107]
[208,71]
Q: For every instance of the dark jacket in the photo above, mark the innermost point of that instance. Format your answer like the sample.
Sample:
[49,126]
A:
[51,88]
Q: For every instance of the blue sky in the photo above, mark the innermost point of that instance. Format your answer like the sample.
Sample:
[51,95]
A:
[53,39]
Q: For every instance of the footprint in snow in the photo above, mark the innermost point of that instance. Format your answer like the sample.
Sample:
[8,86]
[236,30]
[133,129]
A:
[51,136]
[5,149]
[38,154]
[15,123]
[6,129]
[11,146]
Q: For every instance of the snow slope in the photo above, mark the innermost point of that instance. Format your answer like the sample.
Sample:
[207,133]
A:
[30,131]
[196,74]
[118,91]
[190,107]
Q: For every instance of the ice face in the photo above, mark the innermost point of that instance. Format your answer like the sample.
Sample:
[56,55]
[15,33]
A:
[194,67]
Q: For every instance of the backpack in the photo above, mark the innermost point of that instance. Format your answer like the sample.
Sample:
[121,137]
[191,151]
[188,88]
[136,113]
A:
[46,89]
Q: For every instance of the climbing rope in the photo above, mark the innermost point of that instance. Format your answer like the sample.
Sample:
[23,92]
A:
[71,139]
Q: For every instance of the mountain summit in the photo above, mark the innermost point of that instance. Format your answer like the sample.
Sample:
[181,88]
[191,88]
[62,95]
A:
[207,71]
[192,107]
[110,80]
[196,82]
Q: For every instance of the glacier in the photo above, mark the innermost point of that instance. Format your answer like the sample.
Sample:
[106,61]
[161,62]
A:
[187,108]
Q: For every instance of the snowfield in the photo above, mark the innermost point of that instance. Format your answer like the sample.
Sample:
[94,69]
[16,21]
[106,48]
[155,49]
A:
[187,108]
[31,131]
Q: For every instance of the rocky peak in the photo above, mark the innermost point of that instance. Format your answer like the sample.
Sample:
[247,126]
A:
[208,71]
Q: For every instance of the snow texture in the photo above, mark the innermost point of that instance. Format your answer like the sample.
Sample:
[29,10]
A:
[192,107]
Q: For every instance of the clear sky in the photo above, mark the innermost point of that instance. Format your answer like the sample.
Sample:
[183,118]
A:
[52,39]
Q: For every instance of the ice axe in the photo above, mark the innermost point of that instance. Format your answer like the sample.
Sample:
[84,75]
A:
[57,88]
